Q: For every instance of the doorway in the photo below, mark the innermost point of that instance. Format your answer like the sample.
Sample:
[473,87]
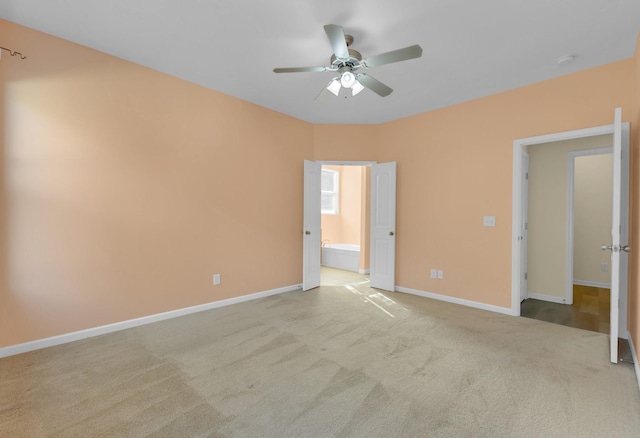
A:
[344,223]
[568,216]
[570,192]
[381,217]
[619,230]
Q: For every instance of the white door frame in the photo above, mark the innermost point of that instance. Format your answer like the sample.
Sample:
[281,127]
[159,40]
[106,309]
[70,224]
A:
[524,226]
[516,214]
[571,170]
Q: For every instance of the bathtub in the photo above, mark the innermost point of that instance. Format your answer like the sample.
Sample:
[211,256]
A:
[341,256]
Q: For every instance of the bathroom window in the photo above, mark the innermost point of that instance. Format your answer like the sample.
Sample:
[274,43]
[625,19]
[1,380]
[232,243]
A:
[329,191]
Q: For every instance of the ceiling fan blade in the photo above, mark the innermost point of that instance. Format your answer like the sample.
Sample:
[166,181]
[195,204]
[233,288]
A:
[410,52]
[337,40]
[374,85]
[299,69]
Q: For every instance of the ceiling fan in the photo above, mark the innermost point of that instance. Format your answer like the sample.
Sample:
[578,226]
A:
[347,62]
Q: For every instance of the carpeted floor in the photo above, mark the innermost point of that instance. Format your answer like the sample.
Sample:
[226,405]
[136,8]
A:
[343,361]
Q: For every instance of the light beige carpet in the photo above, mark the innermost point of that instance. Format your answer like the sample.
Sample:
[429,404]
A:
[336,361]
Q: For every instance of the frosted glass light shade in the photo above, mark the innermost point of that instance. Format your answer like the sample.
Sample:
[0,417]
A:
[347,79]
[356,88]
[334,87]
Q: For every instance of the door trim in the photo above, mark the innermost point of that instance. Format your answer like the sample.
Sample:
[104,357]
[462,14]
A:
[346,163]
[571,168]
[516,213]
[524,226]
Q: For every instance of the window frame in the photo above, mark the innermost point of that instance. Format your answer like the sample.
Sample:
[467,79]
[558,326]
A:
[335,194]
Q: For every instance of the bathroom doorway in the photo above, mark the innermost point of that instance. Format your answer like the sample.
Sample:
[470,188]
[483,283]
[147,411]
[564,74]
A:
[345,224]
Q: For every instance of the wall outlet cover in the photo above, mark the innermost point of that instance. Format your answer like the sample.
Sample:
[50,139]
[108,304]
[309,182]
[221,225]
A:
[434,273]
[216,279]
[440,274]
[489,221]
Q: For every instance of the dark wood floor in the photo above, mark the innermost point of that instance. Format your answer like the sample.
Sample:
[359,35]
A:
[590,311]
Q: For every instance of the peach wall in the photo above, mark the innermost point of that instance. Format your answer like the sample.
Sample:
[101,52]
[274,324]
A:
[3,203]
[127,189]
[365,232]
[121,190]
[345,142]
[350,203]
[350,225]
[455,166]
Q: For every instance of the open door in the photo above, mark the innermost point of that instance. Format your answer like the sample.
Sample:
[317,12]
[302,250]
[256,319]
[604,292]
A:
[311,226]
[383,226]
[618,246]
[524,229]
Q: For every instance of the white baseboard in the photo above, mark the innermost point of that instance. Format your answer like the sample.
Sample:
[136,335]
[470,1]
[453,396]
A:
[448,299]
[592,284]
[550,298]
[363,271]
[636,365]
[110,328]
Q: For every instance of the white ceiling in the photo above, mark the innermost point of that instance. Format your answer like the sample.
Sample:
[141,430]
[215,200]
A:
[472,48]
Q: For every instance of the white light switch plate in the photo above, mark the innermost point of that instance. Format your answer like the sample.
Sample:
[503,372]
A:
[489,221]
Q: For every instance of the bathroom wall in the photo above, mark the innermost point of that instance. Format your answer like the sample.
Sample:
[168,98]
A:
[345,227]
[592,201]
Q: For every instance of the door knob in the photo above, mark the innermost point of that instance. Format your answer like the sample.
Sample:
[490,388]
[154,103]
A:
[606,247]
[625,248]
[390,233]
[307,232]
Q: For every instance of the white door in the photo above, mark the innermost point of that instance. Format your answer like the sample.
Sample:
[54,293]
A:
[624,235]
[311,226]
[524,228]
[617,247]
[383,226]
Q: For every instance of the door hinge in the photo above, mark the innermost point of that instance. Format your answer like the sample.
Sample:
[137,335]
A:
[526,175]
[526,225]
[526,275]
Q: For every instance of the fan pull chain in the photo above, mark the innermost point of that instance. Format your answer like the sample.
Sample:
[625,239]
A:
[14,53]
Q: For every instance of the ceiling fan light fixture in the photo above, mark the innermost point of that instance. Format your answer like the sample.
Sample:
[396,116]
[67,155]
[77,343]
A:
[356,88]
[345,61]
[334,86]
[347,79]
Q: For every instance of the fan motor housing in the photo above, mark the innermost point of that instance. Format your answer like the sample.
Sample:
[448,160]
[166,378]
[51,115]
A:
[352,61]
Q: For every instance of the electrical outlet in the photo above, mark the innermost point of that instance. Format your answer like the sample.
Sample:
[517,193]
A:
[434,273]
[604,267]
[440,274]
[216,279]
[489,221]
